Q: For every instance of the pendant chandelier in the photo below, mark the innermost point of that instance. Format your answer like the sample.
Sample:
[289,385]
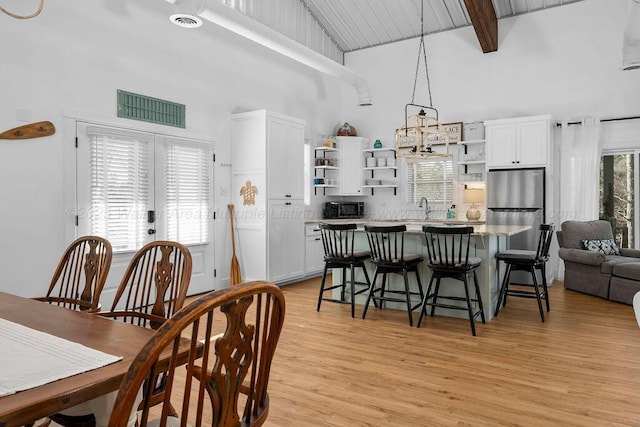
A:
[423,130]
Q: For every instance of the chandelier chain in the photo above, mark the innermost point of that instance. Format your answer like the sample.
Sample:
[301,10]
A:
[33,15]
[422,50]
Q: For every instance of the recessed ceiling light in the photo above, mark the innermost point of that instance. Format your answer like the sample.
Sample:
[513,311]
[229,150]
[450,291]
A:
[186,21]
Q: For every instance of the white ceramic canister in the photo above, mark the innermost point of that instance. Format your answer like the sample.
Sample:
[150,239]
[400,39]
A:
[371,162]
[382,161]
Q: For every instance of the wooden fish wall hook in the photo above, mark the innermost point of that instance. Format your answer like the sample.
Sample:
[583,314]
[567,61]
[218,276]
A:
[32,130]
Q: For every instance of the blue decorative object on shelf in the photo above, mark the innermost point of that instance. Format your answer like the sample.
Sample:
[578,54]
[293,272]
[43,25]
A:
[377,144]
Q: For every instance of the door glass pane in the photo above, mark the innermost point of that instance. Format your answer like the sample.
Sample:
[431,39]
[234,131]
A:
[617,196]
[187,187]
[119,172]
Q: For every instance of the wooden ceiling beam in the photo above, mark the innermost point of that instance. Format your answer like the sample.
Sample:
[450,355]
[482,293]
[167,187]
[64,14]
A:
[485,22]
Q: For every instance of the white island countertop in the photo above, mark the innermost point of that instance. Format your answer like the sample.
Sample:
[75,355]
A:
[415,226]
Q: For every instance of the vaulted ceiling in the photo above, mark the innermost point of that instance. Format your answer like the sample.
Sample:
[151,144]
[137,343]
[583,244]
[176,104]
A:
[335,27]
[359,24]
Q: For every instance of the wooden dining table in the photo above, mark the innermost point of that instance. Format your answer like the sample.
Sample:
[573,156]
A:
[109,336]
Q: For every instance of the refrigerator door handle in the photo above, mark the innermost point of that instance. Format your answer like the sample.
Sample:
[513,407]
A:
[514,209]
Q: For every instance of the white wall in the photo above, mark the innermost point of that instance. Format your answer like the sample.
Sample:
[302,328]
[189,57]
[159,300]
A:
[74,56]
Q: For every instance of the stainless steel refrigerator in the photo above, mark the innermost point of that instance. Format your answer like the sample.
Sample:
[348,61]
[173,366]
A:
[517,197]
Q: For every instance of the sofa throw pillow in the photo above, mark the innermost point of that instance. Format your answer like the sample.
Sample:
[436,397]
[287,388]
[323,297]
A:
[605,246]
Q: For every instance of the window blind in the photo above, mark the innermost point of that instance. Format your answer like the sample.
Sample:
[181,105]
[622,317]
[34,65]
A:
[430,178]
[187,192]
[120,187]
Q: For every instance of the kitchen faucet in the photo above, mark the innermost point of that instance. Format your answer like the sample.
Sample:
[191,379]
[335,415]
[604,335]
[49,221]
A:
[427,209]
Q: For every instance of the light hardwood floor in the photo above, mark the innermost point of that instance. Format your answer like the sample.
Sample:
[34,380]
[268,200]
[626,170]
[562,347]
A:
[579,368]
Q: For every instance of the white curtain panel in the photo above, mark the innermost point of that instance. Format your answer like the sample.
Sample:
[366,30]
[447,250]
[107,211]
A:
[580,152]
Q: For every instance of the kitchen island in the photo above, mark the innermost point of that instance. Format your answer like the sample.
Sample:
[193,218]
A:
[487,240]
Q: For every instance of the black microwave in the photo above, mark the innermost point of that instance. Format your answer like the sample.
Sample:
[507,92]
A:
[337,210]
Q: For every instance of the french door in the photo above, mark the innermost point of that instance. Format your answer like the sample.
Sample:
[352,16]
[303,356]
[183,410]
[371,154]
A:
[135,187]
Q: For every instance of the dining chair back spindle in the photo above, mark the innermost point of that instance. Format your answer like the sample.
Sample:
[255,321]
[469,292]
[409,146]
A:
[226,377]
[80,275]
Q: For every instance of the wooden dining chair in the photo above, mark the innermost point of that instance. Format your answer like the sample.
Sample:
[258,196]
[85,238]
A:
[153,288]
[233,392]
[81,274]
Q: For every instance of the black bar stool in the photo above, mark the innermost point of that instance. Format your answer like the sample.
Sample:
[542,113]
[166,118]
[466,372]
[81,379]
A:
[338,241]
[530,261]
[448,249]
[387,254]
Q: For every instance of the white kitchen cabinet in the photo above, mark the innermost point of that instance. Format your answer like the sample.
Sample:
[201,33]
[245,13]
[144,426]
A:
[314,251]
[267,190]
[285,252]
[285,156]
[350,165]
[520,142]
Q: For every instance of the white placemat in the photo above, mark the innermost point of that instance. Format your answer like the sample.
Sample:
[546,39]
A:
[29,358]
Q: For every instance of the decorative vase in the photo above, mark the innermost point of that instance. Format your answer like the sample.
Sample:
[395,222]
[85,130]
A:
[473,214]
[347,130]
[377,144]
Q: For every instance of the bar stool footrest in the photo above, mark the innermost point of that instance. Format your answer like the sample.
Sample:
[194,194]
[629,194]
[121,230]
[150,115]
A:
[525,294]
[337,300]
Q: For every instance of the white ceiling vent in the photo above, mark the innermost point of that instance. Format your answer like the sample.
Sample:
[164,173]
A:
[186,21]
[631,40]
[187,12]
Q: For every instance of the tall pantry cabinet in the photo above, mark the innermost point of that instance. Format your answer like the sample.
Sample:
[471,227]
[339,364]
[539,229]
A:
[268,191]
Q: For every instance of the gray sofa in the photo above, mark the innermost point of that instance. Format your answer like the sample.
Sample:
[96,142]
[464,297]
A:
[614,277]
